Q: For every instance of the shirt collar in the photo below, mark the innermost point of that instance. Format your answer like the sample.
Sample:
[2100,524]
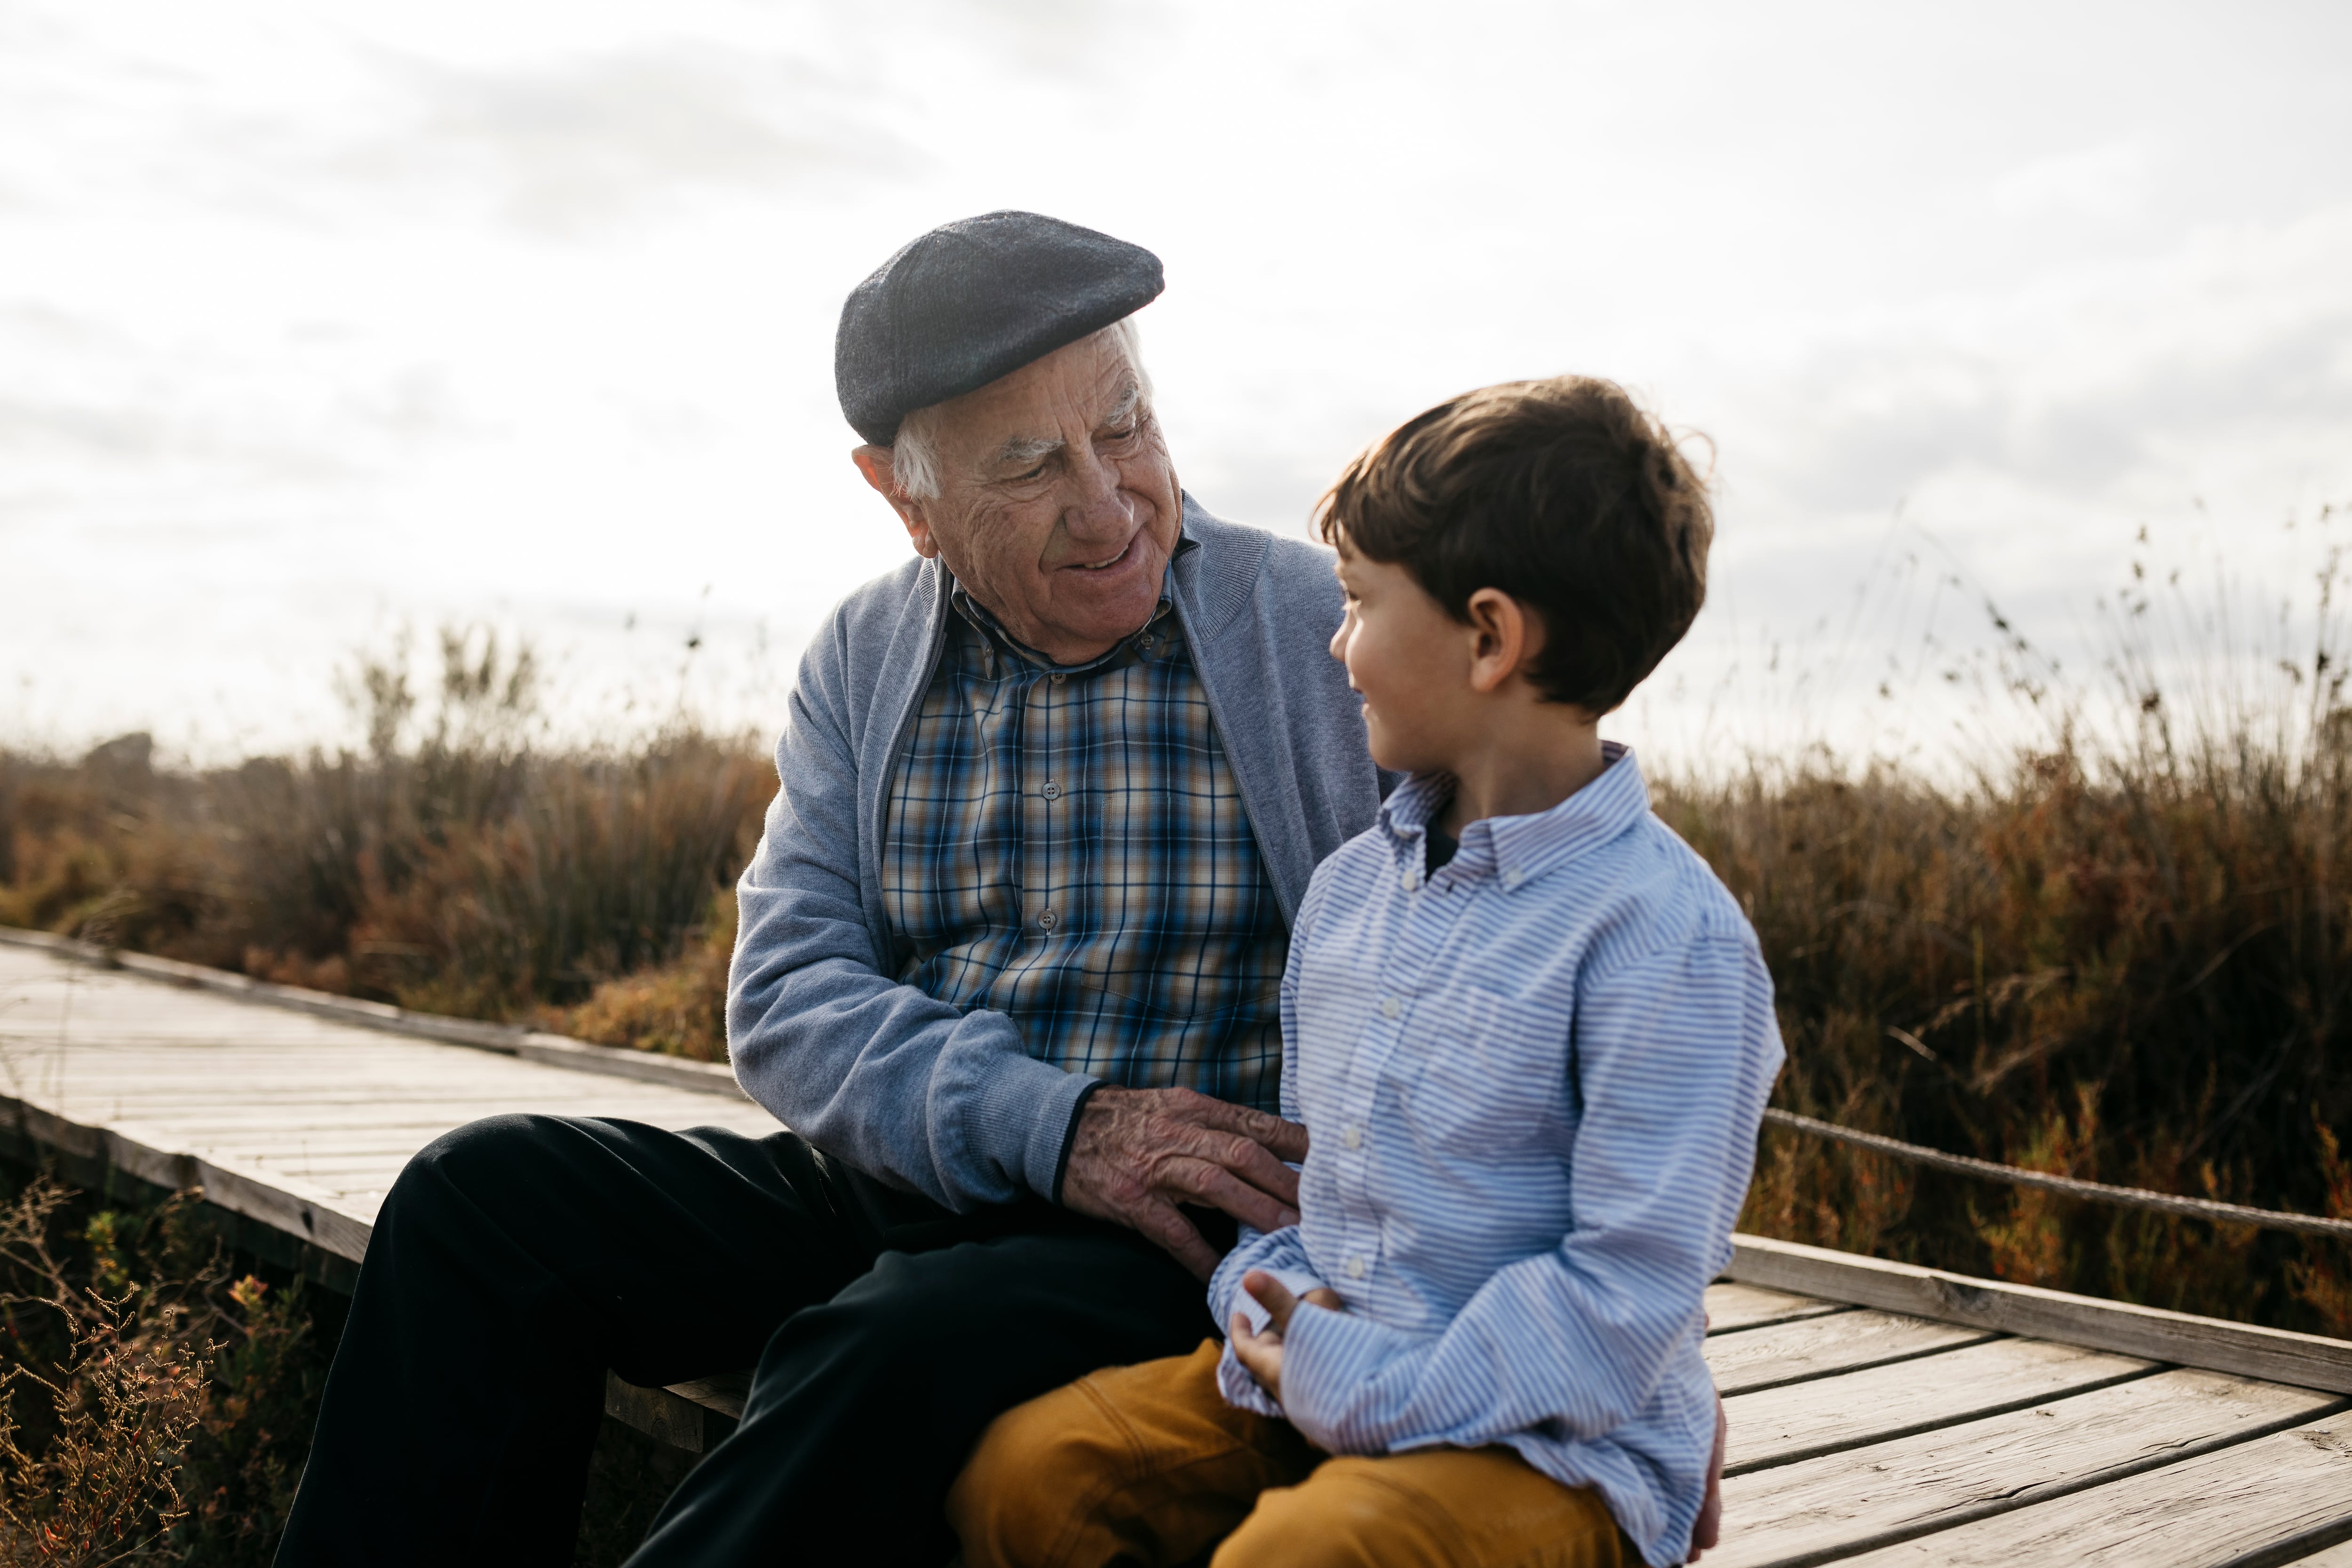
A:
[1518,849]
[984,619]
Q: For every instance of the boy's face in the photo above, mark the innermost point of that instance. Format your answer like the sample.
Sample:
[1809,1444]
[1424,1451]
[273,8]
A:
[1409,660]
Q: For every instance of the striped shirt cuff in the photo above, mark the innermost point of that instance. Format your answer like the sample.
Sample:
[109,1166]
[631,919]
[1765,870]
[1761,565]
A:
[1328,1360]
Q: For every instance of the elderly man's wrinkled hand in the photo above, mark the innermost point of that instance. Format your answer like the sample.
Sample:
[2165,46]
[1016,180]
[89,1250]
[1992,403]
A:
[1140,1153]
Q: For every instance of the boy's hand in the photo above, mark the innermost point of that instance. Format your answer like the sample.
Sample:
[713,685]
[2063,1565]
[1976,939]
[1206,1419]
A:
[1140,1153]
[1262,1353]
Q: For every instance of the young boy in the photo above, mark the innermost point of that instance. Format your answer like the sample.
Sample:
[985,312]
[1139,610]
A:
[1531,1037]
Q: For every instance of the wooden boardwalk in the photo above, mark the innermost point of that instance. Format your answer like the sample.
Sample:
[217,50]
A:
[293,1119]
[1879,1415]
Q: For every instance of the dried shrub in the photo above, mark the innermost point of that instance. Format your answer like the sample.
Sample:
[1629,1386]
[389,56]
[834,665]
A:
[452,865]
[154,1405]
[678,1008]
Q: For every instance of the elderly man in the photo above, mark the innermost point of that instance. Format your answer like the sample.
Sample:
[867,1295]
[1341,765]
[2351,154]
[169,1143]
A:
[1009,964]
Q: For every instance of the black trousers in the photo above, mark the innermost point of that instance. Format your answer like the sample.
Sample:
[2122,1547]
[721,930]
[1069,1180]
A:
[518,1257]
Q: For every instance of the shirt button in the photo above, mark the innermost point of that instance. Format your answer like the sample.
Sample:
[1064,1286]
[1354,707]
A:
[1355,1137]
[1052,791]
[1355,1268]
[1047,921]
[1147,639]
[1513,877]
[1410,880]
[1059,678]
[1390,1007]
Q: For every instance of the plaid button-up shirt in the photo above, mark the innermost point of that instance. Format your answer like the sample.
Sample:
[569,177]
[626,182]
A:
[1067,845]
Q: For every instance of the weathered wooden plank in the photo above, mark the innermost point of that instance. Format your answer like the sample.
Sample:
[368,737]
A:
[1730,1307]
[1831,1507]
[198,1072]
[146,1093]
[330,1221]
[106,1090]
[1828,1415]
[321,1057]
[1815,1347]
[327,1220]
[2260,1502]
[295,1122]
[2308,1360]
[725,1393]
[331,1122]
[513,1040]
[657,1412]
[221,1116]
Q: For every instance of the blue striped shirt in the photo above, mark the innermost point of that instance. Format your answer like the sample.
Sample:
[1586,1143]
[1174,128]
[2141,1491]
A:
[1533,1079]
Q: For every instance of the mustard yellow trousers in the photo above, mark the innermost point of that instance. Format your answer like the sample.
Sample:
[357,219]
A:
[1147,1466]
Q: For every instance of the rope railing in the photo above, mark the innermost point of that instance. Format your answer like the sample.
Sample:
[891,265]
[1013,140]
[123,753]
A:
[2070,1187]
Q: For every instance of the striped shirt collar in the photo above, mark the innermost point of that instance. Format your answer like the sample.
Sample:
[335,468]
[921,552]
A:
[1517,849]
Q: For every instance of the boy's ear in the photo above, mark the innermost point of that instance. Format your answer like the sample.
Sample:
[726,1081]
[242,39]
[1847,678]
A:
[1506,639]
[874,462]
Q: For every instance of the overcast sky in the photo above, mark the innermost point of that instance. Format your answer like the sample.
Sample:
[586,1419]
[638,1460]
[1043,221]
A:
[319,319]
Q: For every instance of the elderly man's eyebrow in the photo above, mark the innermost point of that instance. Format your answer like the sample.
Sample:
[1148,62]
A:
[1022,452]
[1027,451]
[1124,409]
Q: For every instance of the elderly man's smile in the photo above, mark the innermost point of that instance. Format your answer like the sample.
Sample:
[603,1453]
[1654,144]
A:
[1127,552]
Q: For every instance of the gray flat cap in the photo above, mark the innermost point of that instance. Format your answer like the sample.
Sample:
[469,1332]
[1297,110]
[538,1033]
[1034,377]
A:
[973,300]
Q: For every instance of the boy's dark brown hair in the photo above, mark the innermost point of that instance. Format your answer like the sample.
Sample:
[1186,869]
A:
[1561,493]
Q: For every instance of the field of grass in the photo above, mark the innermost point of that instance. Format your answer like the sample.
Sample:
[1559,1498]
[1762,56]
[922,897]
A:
[2120,951]
[449,865]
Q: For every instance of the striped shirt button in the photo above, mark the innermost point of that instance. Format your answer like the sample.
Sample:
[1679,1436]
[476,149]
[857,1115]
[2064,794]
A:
[1410,880]
[1355,1268]
[1059,677]
[1047,920]
[1513,877]
[1052,790]
[1355,1137]
[1390,1007]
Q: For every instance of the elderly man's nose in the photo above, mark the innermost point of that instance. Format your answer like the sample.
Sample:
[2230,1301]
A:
[1099,506]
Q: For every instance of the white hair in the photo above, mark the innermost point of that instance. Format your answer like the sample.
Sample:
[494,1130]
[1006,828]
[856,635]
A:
[914,450]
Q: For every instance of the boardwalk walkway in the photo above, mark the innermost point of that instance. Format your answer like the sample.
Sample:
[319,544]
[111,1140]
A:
[294,1120]
[1879,1415]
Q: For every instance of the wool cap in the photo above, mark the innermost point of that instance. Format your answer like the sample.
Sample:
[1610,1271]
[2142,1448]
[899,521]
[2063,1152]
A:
[973,300]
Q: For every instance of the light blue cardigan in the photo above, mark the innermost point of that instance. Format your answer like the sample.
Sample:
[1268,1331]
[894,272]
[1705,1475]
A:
[915,1091]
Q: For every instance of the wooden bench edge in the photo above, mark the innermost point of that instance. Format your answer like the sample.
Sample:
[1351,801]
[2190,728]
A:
[2183,1338]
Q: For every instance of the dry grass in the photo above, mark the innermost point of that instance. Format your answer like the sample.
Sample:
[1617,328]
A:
[450,867]
[157,1397]
[2124,952]
[678,1008]
[154,1405]
[2138,978]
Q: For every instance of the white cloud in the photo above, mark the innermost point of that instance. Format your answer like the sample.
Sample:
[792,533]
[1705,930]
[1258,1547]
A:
[2109,181]
[317,313]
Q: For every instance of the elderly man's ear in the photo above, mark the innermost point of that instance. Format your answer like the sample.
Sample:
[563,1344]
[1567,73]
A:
[874,462]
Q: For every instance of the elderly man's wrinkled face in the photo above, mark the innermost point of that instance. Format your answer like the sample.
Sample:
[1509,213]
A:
[1057,506]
